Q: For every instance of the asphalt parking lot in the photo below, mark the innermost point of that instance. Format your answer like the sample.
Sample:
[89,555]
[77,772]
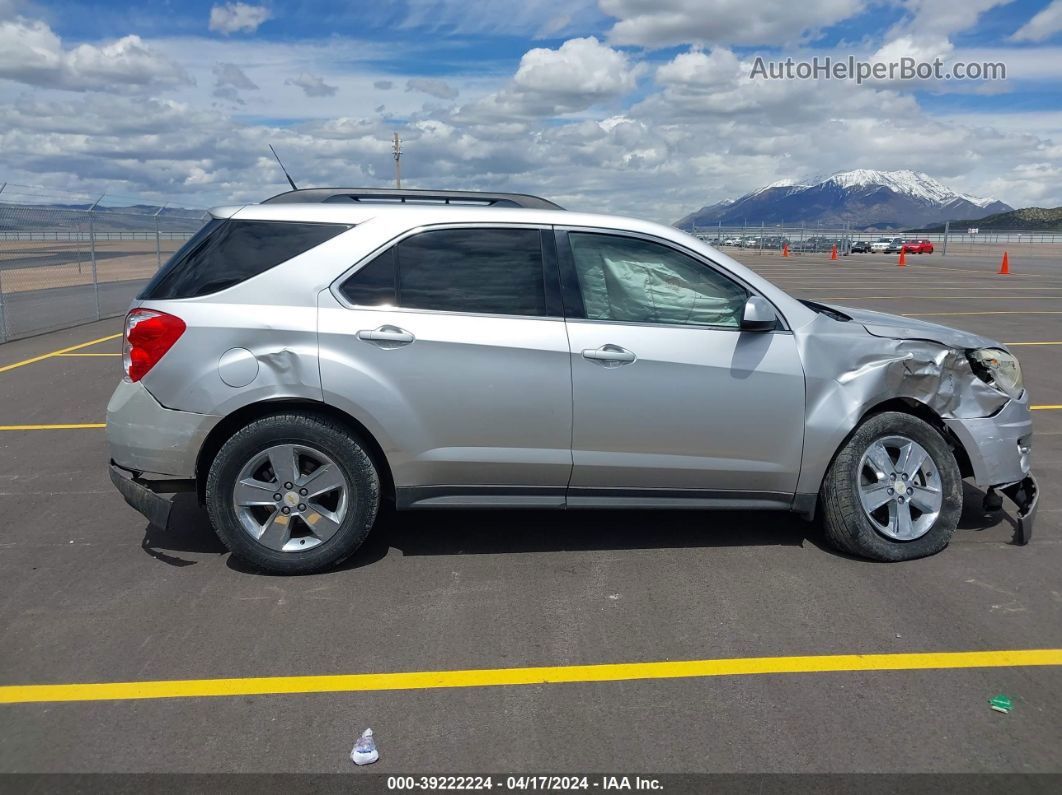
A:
[91,594]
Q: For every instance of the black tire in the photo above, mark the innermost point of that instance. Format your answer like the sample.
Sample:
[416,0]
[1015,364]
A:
[847,526]
[312,431]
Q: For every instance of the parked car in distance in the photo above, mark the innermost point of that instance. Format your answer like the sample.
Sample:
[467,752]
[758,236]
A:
[919,246]
[895,245]
[301,361]
[860,247]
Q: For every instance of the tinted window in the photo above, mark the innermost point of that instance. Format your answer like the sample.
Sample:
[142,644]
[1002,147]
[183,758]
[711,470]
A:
[631,280]
[485,271]
[374,283]
[229,252]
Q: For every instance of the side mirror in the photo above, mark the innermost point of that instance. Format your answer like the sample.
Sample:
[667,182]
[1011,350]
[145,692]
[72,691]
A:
[759,315]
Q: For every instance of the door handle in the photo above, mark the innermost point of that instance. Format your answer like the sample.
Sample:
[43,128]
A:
[387,334]
[610,355]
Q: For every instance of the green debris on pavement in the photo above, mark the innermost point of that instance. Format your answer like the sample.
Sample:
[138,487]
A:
[1000,703]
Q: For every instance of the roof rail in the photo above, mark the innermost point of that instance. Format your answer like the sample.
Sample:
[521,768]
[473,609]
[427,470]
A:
[467,198]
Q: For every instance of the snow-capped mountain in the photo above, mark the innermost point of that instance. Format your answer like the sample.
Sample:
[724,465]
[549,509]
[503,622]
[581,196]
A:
[861,198]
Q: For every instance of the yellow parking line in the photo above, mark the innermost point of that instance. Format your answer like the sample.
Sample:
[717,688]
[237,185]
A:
[60,352]
[987,312]
[922,287]
[935,297]
[1043,408]
[65,427]
[64,355]
[493,677]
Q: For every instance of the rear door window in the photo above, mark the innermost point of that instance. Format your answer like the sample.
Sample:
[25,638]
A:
[225,253]
[477,271]
[375,283]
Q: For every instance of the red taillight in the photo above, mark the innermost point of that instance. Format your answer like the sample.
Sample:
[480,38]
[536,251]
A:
[148,335]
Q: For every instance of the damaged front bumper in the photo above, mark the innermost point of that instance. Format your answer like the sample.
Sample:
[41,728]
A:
[999,448]
[1026,496]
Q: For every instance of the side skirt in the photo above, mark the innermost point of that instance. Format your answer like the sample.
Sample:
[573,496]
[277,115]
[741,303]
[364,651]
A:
[509,497]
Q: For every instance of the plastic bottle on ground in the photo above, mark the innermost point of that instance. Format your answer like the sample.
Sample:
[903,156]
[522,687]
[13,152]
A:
[364,752]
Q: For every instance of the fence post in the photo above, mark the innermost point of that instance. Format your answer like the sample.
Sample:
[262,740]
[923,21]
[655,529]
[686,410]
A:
[92,250]
[944,248]
[3,317]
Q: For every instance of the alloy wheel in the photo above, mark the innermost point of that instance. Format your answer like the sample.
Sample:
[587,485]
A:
[291,497]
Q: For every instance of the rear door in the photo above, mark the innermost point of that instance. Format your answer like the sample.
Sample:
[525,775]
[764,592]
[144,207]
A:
[672,400]
[452,344]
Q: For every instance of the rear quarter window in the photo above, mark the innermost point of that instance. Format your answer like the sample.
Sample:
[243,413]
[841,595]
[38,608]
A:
[226,252]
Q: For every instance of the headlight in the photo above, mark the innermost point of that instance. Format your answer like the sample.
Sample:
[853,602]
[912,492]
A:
[998,368]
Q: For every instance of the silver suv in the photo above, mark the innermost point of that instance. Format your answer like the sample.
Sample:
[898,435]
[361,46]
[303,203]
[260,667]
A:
[299,361]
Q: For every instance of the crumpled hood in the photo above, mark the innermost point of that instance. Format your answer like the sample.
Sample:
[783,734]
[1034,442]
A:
[882,324]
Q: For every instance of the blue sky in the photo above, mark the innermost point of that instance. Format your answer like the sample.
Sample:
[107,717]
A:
[614,104]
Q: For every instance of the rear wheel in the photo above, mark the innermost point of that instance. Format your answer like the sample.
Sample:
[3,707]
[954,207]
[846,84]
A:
[894,491]
[292,494]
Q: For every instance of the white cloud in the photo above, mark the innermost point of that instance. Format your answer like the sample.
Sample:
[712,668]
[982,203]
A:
[1042,26]
[698,71]
[237,17]
[230,75]
[229,81]
[312,85]
[30,52]
[432,86]
[383,85]
[578,75]
[579,67]
[663,23]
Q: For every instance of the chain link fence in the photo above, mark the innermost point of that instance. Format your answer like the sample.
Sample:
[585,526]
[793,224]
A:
[799,240]
[63,267]
[821,240]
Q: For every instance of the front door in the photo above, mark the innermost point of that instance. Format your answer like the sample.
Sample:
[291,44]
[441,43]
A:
[672,400]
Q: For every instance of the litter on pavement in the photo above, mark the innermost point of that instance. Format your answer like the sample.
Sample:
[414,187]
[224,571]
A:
[364,751]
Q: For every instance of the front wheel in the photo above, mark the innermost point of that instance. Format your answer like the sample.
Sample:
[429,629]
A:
[292,493]
[894,491]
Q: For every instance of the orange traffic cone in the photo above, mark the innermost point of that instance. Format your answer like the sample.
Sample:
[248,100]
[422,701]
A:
[833,254]
[785,249]
[903,256]
[1005,267]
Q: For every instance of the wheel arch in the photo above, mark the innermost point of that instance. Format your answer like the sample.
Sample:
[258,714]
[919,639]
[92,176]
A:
[914,408]
[244,415]
[907,405]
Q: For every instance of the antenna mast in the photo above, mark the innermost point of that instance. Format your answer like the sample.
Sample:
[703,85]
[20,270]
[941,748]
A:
[397,151]
[286,174]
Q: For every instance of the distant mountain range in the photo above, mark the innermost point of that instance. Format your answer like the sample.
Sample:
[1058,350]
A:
[862,199]
[1038,219]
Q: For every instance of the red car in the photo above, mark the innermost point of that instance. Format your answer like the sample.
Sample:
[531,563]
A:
[919,246]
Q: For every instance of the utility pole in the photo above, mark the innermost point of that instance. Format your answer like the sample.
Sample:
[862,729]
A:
[397,151]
